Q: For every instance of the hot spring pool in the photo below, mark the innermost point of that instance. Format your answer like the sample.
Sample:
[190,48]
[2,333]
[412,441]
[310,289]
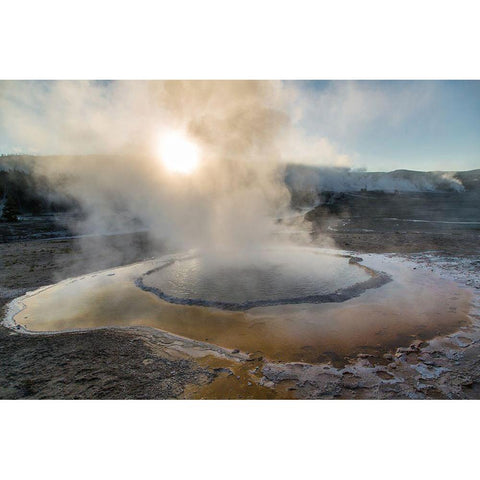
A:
[290,304]
[266,277]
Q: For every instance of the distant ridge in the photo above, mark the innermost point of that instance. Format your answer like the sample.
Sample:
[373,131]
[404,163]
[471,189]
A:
[304,178]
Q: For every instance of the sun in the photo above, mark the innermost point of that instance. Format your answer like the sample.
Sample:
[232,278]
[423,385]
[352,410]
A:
[177,153]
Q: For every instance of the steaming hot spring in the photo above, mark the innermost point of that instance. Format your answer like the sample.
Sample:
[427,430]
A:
[289,303]
[270,276]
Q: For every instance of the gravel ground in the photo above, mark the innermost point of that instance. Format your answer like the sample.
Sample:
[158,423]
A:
[96,364]
[91,365]
[137,363]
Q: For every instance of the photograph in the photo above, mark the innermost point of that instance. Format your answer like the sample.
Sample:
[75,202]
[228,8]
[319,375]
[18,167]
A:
[240,239]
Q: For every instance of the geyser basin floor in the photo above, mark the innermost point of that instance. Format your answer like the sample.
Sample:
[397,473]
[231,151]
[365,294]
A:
[414,305]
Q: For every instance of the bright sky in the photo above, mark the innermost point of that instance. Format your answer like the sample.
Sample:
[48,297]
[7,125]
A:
[376,125]
[388,125]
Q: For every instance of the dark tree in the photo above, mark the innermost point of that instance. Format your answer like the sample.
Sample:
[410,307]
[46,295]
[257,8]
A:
[10,210]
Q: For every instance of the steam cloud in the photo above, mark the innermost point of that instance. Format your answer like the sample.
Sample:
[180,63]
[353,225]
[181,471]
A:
[107,134]
[243,129]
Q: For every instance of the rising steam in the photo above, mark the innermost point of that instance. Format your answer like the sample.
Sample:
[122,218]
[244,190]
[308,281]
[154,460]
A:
[107,134]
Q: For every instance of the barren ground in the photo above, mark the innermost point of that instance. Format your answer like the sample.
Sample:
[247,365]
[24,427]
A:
[141,363]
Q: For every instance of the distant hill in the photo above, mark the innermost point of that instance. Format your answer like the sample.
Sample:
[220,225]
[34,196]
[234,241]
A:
[470,179]
[302,178]
[29,193]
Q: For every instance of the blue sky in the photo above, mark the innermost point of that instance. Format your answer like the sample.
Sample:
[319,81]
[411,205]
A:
[387,125]
[375,125]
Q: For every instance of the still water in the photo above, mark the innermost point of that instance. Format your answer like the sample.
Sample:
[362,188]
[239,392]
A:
[269,275]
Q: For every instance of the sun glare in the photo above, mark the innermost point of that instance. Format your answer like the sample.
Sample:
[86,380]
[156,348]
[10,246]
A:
[178,154]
